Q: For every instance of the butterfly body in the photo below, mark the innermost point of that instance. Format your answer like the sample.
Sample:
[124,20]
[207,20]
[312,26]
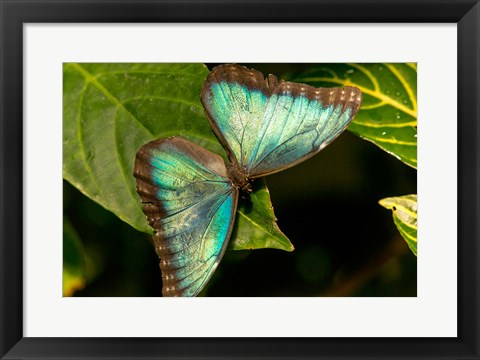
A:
[190,195]
[239,177]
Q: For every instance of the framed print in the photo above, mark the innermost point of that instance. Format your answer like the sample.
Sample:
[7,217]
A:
[123,120]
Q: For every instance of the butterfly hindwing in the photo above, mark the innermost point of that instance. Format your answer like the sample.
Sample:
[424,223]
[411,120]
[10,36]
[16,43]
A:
[190,203]
[268,125]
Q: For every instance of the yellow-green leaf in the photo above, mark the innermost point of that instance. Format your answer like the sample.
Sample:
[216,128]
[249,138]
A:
[388,115]
[256,225]
[404,209]
[111,110]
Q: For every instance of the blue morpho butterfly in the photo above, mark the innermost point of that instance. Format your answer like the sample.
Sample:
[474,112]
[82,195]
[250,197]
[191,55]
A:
[190,195]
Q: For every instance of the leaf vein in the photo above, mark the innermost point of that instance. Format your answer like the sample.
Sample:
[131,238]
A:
[394,125]
[80,135]
[93,80]
[405,84]
[255,223]
[123,166]
[391,141]
[165,98]
[370,76]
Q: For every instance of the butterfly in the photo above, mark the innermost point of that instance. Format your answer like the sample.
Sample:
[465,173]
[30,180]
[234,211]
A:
[190,194]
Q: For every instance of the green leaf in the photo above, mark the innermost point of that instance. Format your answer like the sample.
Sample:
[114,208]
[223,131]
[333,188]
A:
[256,225]
[111,110]
[73,260]
[388,115]
[404,209]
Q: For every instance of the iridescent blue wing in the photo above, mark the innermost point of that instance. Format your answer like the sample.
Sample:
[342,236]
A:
[190,203]
[268,126]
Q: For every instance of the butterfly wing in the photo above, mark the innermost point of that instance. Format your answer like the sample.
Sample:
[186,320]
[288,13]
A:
[235,99]
[269,126]
[190,203]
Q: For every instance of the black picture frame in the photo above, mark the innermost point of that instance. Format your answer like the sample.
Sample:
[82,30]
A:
[14,13]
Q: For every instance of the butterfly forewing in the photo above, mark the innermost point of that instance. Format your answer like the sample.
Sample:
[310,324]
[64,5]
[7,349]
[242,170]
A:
[270,126]
[299,121]
[235,99]
[190,203]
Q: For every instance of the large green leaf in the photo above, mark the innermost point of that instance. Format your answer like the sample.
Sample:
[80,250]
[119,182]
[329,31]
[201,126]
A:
[111,110]
[404,209]
[264,233]
[73,260]
[388,116]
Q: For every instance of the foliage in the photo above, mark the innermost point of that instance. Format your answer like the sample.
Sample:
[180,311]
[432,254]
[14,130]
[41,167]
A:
[404,209]
[258,211]
[388,116]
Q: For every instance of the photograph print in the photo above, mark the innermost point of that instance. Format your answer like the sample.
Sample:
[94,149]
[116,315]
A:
[240,180]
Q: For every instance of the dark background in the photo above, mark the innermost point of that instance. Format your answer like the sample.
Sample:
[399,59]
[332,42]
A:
[346,244]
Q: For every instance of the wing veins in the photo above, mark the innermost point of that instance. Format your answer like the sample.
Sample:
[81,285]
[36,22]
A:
[241,120]
[266,128]
[226,98]
[279,146]
[183,164]
[286,120]
[206,273]
[342,111]
[210,221]
[219,193]
[242,158]
[177,280]
[177,177]
[186,197]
